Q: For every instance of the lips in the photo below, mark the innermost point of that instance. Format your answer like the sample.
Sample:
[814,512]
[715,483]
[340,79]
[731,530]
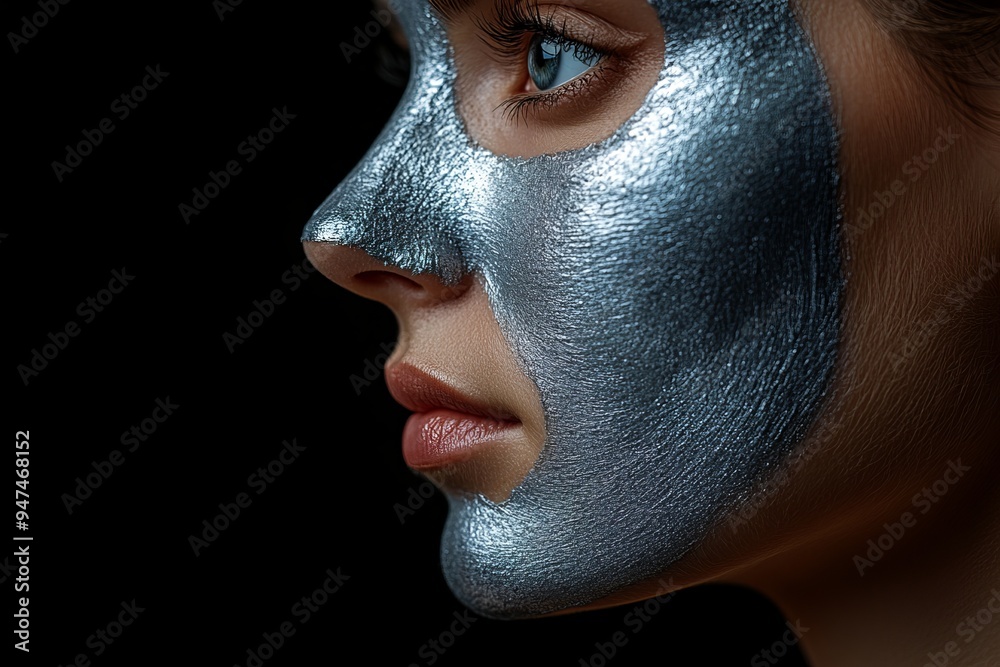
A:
[447,427]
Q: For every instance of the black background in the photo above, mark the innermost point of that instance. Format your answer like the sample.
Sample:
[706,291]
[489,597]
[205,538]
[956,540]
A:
[335,506]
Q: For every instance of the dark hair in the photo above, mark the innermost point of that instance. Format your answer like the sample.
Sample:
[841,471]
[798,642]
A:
[956,43]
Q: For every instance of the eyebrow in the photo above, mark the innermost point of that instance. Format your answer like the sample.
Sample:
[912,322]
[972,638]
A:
[448,9]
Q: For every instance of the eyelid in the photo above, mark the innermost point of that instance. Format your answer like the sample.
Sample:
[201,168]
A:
[504,30]
[521,106]
[507,34]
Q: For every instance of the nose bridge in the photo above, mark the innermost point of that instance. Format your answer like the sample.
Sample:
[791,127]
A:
[396,204]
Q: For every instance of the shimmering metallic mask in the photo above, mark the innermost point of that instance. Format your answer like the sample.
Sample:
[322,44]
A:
[673,291]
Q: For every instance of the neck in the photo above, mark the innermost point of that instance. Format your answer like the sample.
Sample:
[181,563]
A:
[923,588]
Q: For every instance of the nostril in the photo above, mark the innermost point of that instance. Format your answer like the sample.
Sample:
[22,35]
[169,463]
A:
[354,269]
[424,289]
[382,279]
[448,292]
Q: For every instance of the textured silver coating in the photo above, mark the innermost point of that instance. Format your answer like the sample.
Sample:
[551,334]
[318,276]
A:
[673,291]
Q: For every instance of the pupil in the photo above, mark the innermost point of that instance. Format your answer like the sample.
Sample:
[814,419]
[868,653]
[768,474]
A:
[543,62]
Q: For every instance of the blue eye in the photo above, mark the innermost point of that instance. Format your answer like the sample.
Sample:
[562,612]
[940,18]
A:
[552,63]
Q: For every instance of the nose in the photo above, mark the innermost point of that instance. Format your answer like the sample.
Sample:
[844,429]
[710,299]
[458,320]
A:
[401,290]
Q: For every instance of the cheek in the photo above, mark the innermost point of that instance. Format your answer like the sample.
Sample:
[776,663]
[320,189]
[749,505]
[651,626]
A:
[908,350]
[676,297]
[673,292]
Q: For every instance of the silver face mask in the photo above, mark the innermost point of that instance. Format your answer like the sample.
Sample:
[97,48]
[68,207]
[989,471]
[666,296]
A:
[673,291]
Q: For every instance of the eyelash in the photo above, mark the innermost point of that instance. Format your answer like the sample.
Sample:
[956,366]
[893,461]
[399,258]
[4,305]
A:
[505,35]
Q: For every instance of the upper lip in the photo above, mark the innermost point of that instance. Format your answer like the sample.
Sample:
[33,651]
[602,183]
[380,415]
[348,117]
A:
[419,391]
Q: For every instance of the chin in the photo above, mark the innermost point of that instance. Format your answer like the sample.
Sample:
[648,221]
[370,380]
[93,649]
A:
[504,568]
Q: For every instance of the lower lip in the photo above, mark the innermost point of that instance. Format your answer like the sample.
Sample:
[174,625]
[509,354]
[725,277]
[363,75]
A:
[441,437]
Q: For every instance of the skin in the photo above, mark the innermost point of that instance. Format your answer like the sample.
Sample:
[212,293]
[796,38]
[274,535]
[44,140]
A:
[449,332]
[898,413]
[611,99]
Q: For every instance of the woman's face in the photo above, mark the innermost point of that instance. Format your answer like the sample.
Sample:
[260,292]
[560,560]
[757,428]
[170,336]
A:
[611,233]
